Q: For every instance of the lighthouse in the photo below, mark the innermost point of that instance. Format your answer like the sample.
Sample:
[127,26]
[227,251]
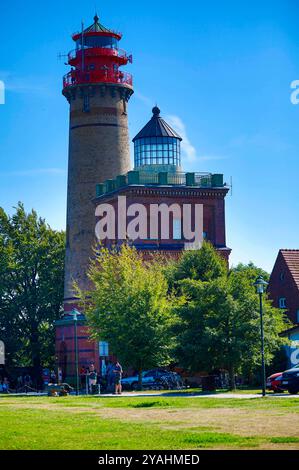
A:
[98,91]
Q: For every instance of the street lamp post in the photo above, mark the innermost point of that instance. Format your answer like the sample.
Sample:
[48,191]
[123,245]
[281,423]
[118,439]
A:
[75,314]
[260,285]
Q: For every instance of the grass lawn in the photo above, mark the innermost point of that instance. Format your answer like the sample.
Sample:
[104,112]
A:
[148,423]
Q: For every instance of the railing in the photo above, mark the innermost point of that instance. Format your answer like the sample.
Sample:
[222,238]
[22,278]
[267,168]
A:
[97,52]
[203,179]
[176,178]
[199,180]
[75,77]
[148,178]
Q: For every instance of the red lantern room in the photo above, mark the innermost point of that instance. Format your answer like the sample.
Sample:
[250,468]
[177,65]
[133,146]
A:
[97,58]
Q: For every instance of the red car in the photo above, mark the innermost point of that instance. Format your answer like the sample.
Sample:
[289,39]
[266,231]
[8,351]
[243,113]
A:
[274,382]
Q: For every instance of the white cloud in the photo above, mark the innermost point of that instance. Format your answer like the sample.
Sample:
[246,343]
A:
[188,150]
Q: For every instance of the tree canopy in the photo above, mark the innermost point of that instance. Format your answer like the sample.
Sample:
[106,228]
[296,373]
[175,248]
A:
[31,287]
[129,307]
[198,265]
[219,325]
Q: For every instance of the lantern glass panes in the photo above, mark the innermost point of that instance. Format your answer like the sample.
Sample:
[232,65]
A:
[157,151]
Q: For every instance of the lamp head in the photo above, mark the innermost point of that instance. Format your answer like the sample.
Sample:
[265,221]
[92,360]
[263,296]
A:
[260,285]
[75,314]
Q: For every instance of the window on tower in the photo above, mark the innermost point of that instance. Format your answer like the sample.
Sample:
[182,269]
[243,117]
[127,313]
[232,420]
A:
[157,151]
[97,41]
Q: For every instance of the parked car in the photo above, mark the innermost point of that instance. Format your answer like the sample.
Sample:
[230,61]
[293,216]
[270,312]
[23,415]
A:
[150,379]
[290,380]
[274,382]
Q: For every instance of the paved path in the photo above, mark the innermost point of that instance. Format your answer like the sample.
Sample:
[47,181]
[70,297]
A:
[200,395]
[171,394]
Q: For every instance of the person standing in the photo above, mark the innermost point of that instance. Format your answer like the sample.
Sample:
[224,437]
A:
[110,377]
[53,377]
[27,381]
[60,377]
[118,371]
[92,378]
[5,385]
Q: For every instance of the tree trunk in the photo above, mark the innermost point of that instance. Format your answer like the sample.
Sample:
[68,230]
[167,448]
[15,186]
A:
[38,372]
[36,360]
[232,381]
[140,379]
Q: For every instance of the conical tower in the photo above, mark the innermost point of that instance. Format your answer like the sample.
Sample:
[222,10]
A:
[98,92]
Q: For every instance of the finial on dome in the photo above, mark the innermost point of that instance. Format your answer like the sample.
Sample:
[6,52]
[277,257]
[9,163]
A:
[156,111]
[96,18]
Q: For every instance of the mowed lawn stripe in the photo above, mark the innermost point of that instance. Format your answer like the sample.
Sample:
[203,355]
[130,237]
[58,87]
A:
[147,423]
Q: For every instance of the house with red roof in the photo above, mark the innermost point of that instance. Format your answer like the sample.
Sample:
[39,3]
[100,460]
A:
[284,291]
[284,283]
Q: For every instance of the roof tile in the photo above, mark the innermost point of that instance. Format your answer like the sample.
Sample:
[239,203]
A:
[291,258]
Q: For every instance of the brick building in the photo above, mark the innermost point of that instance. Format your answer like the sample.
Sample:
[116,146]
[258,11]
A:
[284,283]
[99,173]
[158,179]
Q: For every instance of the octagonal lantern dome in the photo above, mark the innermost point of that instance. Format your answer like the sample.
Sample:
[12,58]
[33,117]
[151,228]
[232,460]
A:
[157,147]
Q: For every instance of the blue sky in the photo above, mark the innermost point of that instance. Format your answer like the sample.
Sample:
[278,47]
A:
[220,71]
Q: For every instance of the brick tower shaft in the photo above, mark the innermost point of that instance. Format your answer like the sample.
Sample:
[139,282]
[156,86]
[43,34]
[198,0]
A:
[98,93]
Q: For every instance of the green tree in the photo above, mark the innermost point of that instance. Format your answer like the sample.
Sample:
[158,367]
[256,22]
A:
[31,287]
[241,280]
[129,308]
[250,272]
[203,265]
[219,324]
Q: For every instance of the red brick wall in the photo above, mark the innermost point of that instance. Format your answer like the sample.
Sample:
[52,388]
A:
[285,287]
[88,351]
[212,201]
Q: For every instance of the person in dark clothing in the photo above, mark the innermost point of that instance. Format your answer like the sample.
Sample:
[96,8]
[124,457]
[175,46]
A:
[110,377]
[53,377]
[117,370]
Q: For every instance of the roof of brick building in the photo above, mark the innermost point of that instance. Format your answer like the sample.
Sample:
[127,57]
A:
[291,258]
